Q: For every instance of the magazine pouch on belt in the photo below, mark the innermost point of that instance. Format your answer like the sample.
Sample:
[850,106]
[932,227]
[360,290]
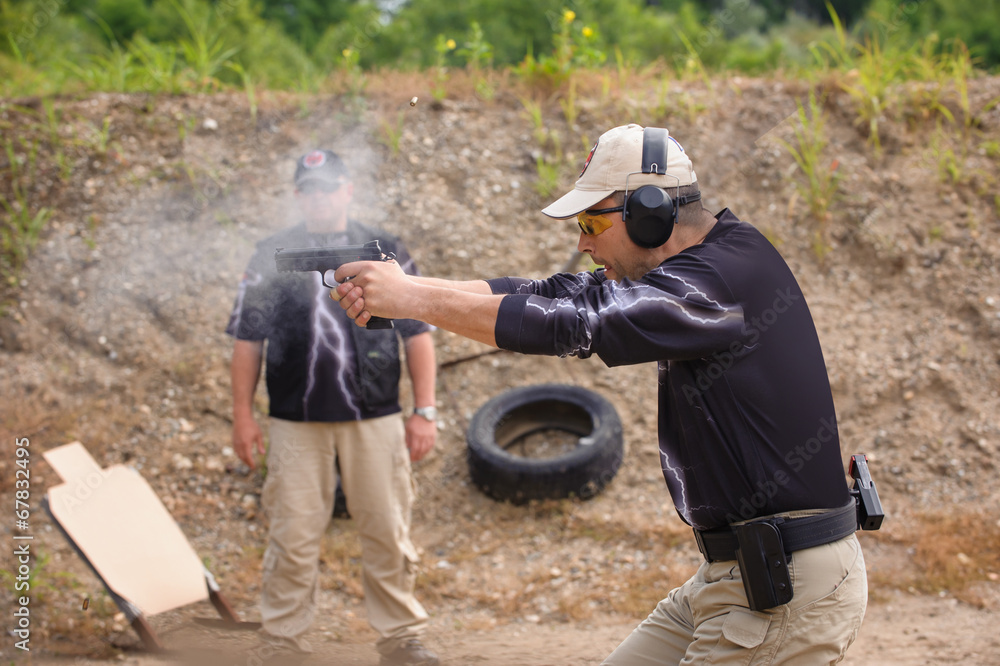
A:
[763,565]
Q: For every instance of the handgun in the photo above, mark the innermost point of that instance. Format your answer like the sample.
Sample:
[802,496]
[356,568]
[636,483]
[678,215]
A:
[870,513]
[323,259]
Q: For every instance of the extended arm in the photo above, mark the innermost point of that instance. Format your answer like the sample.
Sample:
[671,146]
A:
[471,315]
[470,286]
[467,308]
[681,311]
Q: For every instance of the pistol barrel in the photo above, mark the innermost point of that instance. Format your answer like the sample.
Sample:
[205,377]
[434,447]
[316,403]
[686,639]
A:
[324,258]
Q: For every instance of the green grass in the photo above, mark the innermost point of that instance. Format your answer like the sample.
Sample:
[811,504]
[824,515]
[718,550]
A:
[158,65]
[248,88]
[534,111]
[549,171]
[693,66]
[550,160]
[205,50]
[870,73]
[41,578]
[947,163]
[569,104]
[819,182]
[23,222]
[391,132]
[442,47]
[100,138]
[56,143]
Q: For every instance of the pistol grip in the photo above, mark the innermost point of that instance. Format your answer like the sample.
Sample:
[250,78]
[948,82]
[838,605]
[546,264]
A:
[379,322]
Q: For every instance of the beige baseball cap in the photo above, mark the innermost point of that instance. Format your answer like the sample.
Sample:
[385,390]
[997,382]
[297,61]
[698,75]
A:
[617,155]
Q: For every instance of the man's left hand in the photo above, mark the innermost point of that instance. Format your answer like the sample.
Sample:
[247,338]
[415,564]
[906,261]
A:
[420,436]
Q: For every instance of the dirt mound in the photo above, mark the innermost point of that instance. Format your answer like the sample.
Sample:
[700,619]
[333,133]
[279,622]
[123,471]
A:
[114,337]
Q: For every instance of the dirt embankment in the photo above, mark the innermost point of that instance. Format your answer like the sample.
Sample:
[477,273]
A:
[114,337]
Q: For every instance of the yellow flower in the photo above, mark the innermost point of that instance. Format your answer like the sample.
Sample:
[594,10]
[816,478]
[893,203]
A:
[569,15]
[587,31]
[347,53]
[450,44]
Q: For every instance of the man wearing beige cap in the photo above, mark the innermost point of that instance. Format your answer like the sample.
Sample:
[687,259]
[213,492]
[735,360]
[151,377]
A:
[748,438]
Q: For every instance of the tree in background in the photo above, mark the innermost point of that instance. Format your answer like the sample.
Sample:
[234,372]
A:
[305,21]
[777,11]
[975,22]
[125,44]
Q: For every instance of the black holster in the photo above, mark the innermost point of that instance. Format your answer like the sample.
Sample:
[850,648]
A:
[763,564]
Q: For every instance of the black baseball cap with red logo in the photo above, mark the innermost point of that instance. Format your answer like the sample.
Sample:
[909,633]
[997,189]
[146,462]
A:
[321,165]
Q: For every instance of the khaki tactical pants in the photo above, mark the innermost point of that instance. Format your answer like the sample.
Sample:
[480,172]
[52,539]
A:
[706,620]
[299,495]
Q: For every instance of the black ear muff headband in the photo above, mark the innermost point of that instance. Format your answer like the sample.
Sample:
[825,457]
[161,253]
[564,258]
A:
[650,214]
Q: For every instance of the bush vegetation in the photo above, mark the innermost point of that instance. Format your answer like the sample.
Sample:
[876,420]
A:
[51,46]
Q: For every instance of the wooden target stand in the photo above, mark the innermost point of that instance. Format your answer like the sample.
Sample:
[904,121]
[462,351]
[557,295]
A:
[117,525]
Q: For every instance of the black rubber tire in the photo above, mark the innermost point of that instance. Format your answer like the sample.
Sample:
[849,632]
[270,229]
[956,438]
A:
[582,472]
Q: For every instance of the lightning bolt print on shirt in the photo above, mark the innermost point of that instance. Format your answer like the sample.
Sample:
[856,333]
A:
[320,365]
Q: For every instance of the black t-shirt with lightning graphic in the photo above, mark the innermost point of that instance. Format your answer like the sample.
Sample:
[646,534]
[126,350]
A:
[312,366]
[746,417]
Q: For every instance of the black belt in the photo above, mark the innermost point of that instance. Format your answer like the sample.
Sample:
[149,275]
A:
[720,544]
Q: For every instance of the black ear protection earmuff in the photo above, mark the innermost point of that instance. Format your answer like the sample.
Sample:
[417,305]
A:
[650,214]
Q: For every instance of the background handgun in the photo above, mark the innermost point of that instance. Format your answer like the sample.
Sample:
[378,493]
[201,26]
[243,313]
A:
[870,513]
[323,259]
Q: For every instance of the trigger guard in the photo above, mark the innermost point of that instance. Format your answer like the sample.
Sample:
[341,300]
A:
[326,284]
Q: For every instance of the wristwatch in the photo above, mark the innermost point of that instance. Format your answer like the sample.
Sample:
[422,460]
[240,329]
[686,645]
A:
[429,413]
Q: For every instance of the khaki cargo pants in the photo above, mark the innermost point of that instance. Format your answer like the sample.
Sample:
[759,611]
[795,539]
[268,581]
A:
[706,620]
[298,497]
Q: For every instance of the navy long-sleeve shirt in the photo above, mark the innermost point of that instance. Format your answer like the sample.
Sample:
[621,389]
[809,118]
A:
[747,425]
